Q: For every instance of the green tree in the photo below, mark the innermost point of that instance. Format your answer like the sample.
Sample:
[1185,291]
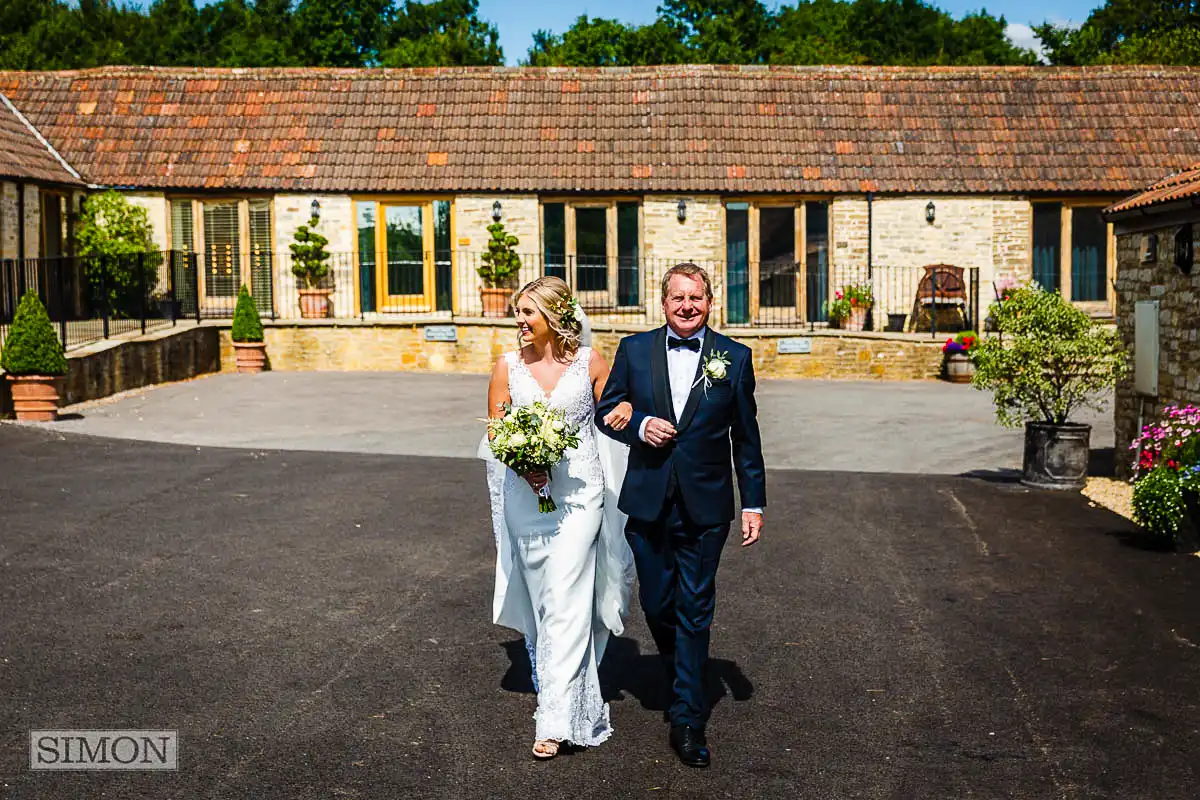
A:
[441,33]
[32,347]
[600,42]
[342,33]
[114,235]
[1129,32]
[720,31]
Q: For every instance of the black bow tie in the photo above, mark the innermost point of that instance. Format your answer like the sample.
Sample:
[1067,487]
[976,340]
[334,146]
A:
[686,344]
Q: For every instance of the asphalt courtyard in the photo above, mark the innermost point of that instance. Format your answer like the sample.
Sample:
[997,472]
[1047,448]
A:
[315,623]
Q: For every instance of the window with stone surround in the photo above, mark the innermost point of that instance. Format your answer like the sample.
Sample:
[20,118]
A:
[232,239]
[595,245]
[777,261]
[1084,270]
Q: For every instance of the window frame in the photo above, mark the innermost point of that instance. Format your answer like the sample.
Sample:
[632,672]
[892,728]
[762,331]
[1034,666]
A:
[799,206]
[245,249]
[608,298]
[1066,249]
[386,303]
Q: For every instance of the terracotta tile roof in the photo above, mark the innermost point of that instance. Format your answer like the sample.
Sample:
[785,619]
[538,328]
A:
[1181,186]
[25,157]
[688,128]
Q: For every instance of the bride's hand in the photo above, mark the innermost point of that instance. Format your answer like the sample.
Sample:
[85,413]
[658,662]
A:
[619,417]
[536,480]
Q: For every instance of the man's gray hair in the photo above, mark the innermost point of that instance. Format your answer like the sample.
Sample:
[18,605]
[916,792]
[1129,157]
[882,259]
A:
[690,270]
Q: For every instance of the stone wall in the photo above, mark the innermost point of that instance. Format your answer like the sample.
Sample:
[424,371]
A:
[1179,332]
[394,346]
[520,215]
[337,224]
[113,366]
[700,238]
[10,220]
[156,211]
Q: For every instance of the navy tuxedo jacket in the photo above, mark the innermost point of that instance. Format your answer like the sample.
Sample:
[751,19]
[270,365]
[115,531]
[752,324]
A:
[717,431]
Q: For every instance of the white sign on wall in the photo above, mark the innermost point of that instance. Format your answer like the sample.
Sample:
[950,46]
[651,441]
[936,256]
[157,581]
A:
[794,346]
[441,333]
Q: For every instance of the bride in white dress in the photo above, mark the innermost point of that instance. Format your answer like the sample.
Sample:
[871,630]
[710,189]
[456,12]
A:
[563,579]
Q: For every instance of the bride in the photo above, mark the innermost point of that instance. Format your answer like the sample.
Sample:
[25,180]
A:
[563,578]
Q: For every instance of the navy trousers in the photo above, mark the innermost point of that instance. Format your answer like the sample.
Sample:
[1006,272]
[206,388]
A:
[677,575]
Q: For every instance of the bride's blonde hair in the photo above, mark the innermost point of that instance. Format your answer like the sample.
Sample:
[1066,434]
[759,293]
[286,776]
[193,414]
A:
[553,298]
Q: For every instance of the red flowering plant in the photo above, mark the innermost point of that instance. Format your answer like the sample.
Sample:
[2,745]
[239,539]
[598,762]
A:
[961,342]
[1167,470]
[850,298]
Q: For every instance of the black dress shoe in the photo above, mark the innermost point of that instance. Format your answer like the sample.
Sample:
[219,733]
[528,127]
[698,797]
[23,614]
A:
[689,744]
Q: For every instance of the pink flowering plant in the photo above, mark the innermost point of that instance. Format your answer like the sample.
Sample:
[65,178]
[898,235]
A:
[1167,471]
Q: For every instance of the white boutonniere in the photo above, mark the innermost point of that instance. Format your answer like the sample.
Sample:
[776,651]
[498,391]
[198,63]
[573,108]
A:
[715,368]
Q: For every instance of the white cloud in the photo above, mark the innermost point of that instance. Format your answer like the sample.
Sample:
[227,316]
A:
[1022,36]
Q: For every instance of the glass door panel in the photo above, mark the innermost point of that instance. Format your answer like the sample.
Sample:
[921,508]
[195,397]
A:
[1047,236]
[554,239]
[404,282]
[777,258]
[443,262]
[366,255]
[591,250]
[1089,255]
[737,266]
[816,266]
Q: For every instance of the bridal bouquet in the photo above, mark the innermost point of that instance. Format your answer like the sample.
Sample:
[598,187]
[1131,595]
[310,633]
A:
[532,439]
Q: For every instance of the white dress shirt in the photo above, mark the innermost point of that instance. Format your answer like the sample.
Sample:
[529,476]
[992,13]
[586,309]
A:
[681,374]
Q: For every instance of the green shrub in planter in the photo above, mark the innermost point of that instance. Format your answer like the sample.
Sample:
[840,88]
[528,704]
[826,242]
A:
[247,325]
[32,348]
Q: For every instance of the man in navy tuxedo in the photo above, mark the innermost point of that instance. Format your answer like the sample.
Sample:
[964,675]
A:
[694,424]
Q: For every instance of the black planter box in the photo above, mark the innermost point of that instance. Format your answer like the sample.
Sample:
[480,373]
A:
[1056,456]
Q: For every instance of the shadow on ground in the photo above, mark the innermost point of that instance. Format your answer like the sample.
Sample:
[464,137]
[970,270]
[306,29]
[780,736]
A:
[317,625]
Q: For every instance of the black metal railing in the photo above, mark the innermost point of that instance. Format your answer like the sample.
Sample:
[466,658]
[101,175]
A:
[92,298]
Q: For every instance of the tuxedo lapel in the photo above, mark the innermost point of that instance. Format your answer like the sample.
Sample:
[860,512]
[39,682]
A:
[659,377]
[693,401]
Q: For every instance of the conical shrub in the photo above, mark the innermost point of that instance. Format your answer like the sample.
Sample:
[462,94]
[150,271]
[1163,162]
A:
[31,347]
[247,325]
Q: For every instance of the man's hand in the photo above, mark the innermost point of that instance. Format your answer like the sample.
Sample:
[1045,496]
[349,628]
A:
[752,525]
[619,417]
[659,432]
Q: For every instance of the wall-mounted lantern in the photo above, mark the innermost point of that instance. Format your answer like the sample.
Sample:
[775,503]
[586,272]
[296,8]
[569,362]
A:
[1184,251]
[316,209]
[681,210]
[930,212]
[496,211]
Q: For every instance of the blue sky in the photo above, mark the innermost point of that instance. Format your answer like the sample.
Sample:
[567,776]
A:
[518,20]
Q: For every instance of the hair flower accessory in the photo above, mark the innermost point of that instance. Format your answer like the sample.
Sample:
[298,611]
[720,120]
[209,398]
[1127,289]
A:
[715,368]
[568,313]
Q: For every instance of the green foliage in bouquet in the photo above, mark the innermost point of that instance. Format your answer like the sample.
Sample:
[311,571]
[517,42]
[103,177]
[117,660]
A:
[532,439]
[1049,360]
[247,325]
[309,256]
[31,347]
[501,262]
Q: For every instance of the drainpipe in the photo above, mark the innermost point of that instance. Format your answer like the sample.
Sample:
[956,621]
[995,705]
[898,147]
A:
[870,254]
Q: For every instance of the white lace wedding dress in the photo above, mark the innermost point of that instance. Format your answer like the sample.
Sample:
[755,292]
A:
[563,579]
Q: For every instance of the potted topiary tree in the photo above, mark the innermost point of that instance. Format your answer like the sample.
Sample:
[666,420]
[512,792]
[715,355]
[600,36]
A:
[34,360]
[247,334]
[1050,360]
[499,270]
[310,264]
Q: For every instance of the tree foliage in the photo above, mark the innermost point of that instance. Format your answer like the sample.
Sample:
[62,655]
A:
[57,34]
[1128,32]
[1049,360]
[247,324]
[884,32]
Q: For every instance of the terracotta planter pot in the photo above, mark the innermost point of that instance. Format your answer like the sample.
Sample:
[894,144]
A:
[959,368]
[251,356]
[36,397]
[856,321]
[1056,456]
[314,303]
[495,301]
